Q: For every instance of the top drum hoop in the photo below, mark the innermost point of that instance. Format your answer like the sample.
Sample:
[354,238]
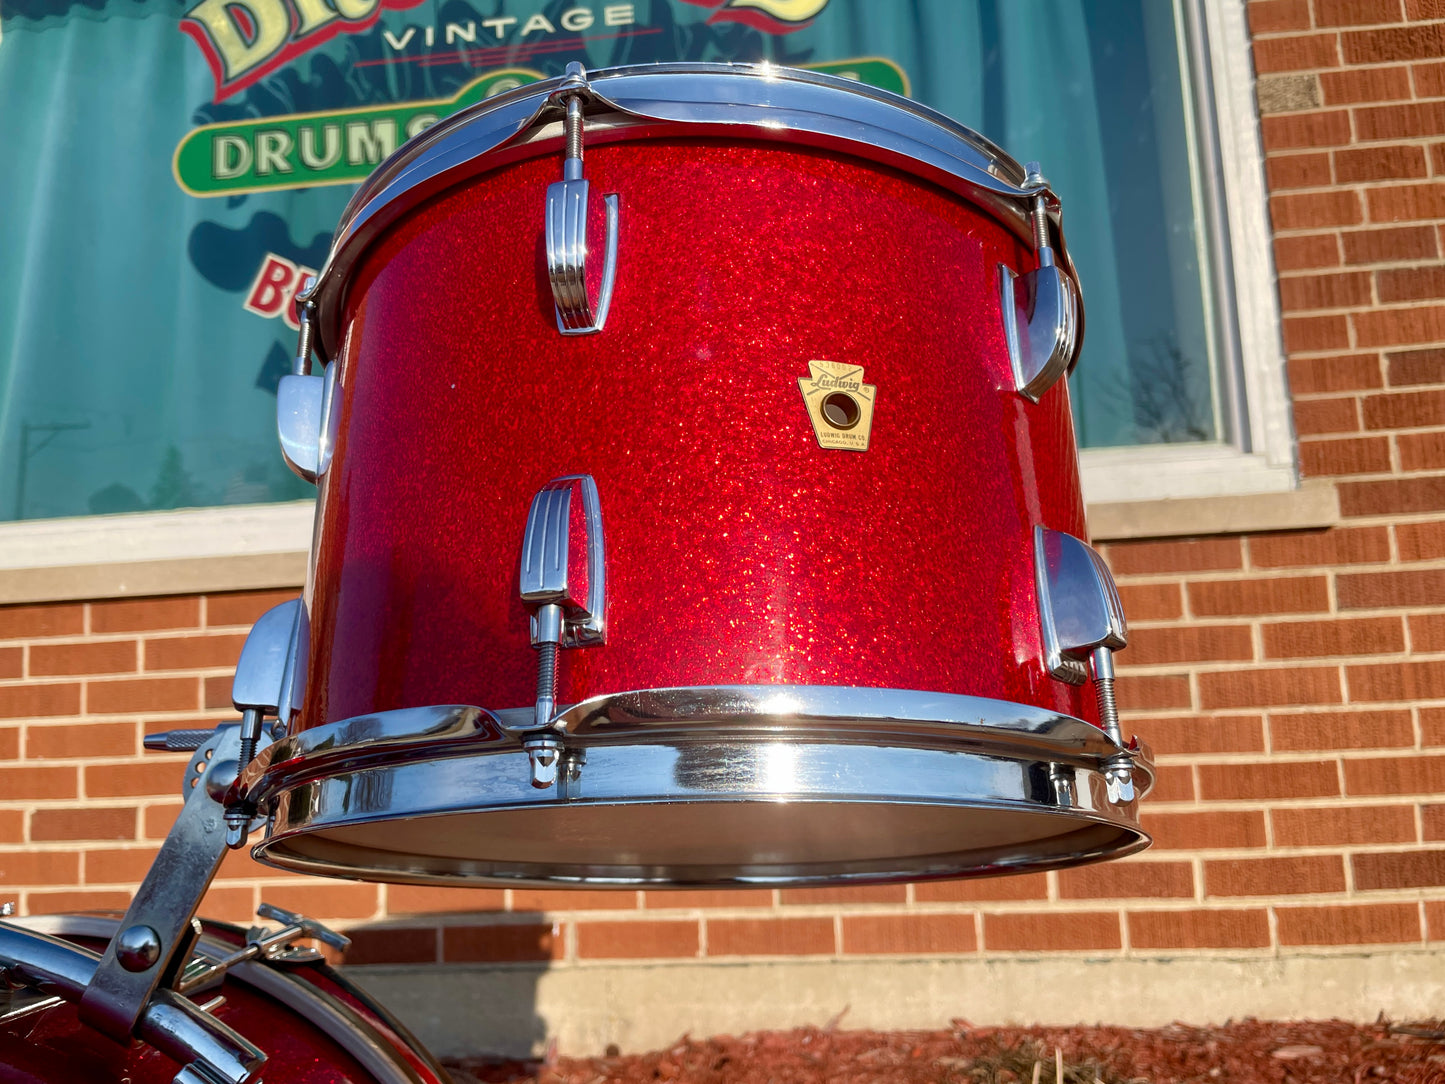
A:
[839,622]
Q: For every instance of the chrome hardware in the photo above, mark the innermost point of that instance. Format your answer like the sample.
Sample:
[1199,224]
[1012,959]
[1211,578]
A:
[177,741]
[1040,308]
[1083,624]
[263,944]
[1062,780]
[305,316]
[305,422]
[140,964]
[566,225]
[566,592]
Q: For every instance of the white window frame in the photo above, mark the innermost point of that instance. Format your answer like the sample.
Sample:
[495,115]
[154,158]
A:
[1260,461]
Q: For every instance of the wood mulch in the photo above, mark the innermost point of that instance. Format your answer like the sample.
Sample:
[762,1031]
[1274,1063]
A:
[1243,1052]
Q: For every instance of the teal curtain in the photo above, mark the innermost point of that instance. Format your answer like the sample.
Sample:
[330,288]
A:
[132,376]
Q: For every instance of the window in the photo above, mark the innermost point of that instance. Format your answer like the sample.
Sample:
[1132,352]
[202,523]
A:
[169,184]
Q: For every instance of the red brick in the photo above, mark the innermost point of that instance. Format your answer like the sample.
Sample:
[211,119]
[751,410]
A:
[1427,632]
[1393,496]
[1264,688]
[103,823]
[676,899]
[1416,366]
[1127,880]
[1405,410]
[1299,53]
[243,608]
[1024,886]
[1404,43]
[1370,924]
[39,868]
[1356,455]
[1172,783]
[1421,451]
[1307,253]
[216,692]
[1148,692]
[1347,372]
[1405,202]
[1356,12]
[1274,876]
[193,652]
[1394,776]
[33,701]
[1272,16]
[81,740]
[392,945]
[107,657]
[12,663]
[1356,85]
[513,942]
[1052,932]
[145,614]
[9,743]
[546,900]
[1198,929]
[1325,416]
[118,865]
[1329,731]
[54,619]
[1410,283]
[1252,782]
[1337,636]
[770,937]
[155,776]
[1314,210]
[1399,869]
[1412,121]
[1316,334]
[909,934]
[1298,171]
[1334,826]
[1389,244]
[1420,541]
[325,899]
[1396,681]
[158,819]
[1203,734]
[1432,726]
[1432,822]
[1435,919]
[1422,10]
[142,694]
[845,894]
[64,902]
[1248,598]
[1429,80]
[1349,289]
[12,830]
[1215,829]
[1399,327]
[1151,601]
[1189,643]
[1189,555]
[18,784]
[425,899]
[1376,590]
[1335,546]
[636,940]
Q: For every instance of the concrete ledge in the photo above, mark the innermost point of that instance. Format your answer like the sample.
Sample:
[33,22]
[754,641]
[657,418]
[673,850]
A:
[197,575]
[1313,505]
[460,1010]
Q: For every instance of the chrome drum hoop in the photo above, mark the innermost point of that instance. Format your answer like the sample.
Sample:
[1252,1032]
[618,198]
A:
[723,785]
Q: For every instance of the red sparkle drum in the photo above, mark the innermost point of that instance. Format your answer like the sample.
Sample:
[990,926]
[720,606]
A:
[313,1026]
[698,503]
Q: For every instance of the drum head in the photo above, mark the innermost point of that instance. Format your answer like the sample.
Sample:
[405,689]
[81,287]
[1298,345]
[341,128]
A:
[686,802]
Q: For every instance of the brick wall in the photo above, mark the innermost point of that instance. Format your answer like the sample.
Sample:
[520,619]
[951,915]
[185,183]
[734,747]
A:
[1293,684]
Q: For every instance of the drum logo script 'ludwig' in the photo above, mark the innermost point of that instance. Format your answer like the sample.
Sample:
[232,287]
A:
[698,504]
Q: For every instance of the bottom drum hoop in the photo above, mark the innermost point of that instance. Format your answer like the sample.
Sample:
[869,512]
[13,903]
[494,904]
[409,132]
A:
[735,785]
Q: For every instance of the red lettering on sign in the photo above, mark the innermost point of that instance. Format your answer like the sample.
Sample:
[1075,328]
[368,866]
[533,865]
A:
[274,286]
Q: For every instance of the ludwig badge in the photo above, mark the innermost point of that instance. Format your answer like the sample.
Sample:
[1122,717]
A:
[839,403]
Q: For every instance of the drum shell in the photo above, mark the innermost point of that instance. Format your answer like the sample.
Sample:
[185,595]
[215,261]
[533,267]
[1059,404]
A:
[738,550]
[49,1045]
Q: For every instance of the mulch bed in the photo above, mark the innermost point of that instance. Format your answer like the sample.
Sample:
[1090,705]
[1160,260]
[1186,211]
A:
[1246,1052]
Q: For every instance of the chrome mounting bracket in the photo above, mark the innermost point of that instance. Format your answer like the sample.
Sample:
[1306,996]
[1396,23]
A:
[306,421]
[1040,308]
[563,583]
[1082,624]
[566,225]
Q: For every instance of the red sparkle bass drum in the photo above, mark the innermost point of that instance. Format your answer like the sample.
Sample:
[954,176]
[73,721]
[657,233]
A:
[698,504]
[312,1026]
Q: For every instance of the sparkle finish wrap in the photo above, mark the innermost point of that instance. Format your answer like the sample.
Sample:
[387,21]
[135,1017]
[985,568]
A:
[738,550]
